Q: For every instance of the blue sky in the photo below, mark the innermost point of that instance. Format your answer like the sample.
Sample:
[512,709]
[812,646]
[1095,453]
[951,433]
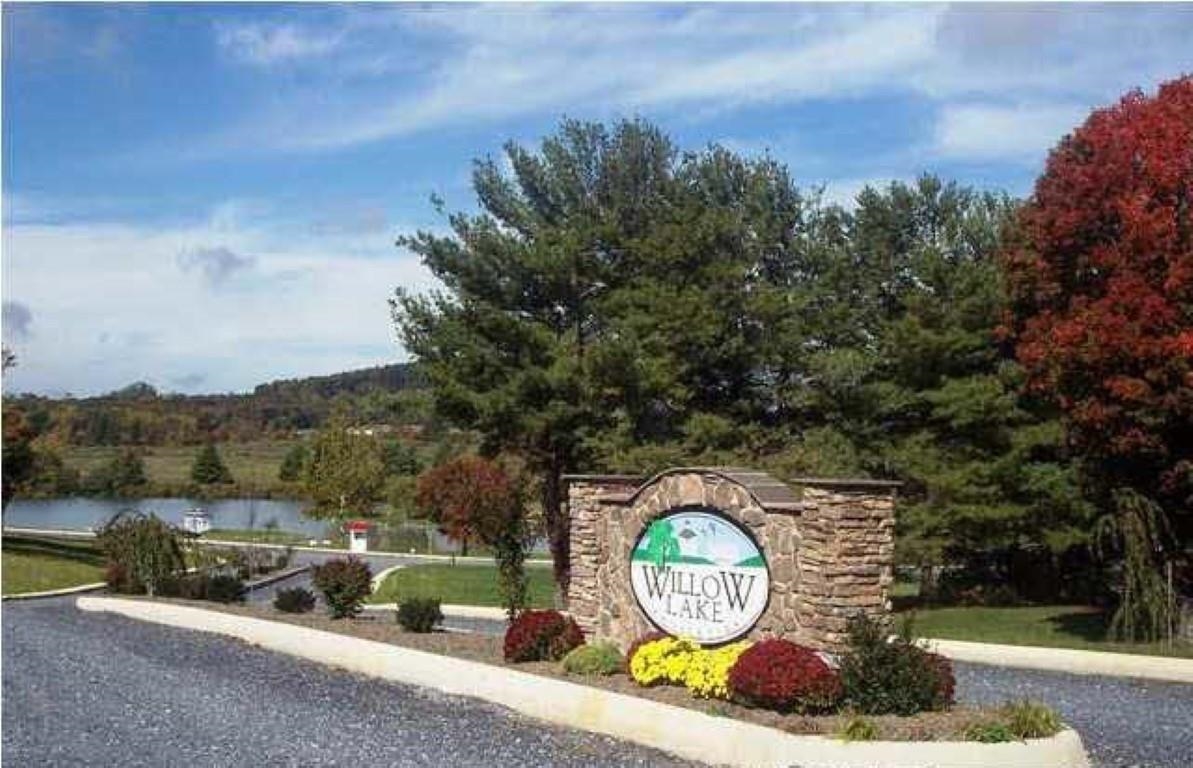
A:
[206,197]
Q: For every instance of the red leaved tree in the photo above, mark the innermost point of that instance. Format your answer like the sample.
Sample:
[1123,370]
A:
[1101,285]
[473,498]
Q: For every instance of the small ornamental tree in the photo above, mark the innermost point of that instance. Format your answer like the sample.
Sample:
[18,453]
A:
[18,451]
[142,551]
[1101,284]
[345,473]
[472,497]
[209,468]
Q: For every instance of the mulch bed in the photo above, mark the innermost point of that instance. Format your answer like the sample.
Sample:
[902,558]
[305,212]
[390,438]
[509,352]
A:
[926,726]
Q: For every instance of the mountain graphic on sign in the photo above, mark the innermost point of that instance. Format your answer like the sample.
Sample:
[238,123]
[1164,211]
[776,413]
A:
[695,540]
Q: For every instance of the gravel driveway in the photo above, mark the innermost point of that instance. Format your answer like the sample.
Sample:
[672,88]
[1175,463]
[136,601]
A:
[97,689]
[1122,722]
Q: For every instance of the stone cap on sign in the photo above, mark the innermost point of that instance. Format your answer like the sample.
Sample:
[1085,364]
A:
[845,482]
[770,493]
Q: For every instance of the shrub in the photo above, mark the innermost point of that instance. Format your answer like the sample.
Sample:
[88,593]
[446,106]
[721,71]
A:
[419,614]
[345,583]
[600,658]
[679,661]
[119,580]
[946,682]
[222,588]
[892,676]
[649,637]
[989,732]
[1030,720]
[541,636]
[145,549]
[296,600]
[190,586]
[780,675]
[858,728]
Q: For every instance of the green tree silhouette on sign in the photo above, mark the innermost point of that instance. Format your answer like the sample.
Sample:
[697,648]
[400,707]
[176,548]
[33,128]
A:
[661,543]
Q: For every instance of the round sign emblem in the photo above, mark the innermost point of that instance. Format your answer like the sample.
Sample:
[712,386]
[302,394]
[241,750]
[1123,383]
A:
[697,574]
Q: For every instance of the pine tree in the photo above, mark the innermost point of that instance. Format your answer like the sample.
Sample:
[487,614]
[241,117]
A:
[294,464]
[209,468]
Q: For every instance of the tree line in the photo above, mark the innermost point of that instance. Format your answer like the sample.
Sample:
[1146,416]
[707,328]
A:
[139,415]
[618,304]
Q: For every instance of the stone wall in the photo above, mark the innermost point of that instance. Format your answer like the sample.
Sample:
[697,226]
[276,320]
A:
[829,546]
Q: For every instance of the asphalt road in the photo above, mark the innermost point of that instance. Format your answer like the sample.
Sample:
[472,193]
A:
[101,690]
[96,689]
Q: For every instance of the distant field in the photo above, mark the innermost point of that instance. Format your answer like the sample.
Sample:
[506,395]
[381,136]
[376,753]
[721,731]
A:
[253,465]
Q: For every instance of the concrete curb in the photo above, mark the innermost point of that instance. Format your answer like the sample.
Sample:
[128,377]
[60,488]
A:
[687,733]
[93,587]
[1167,668]
[62,533]
[459,611]
[380,577]
[273,578]
[462,560]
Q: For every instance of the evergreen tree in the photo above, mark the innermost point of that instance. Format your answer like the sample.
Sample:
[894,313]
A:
[124,475]
[511,346]
[208,467]
[935,399]
[615,302]
[294,464]
[400,459]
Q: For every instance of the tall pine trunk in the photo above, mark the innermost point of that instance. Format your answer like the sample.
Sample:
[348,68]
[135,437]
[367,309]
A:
[558,532]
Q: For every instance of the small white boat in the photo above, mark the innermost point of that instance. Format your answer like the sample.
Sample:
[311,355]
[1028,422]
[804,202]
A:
[197,521]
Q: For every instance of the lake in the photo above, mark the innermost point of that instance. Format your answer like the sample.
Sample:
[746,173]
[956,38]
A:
[80,514]
[85,513]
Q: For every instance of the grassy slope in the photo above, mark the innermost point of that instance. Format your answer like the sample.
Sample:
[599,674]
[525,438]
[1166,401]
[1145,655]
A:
[461,585]
[253,465]
[36,564]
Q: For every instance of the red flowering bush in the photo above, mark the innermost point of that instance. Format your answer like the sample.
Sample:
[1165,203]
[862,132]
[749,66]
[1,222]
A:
[649,637]
[780,675]
[541,636]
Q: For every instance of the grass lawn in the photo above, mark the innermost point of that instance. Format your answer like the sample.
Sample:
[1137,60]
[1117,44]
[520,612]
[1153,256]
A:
[37,564]
[257,536]
[1053,626]
[461,585]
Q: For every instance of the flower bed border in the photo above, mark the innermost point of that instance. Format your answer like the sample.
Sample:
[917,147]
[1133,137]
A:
[684,732]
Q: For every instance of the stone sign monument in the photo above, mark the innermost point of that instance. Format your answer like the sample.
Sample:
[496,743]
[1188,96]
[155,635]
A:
[715,554]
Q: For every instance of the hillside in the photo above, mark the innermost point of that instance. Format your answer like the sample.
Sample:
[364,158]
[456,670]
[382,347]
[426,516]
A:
[139,415]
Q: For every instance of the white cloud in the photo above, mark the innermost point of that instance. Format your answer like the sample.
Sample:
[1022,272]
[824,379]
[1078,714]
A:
[128,314]
[468,64]
[1020,132]
[265,45]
